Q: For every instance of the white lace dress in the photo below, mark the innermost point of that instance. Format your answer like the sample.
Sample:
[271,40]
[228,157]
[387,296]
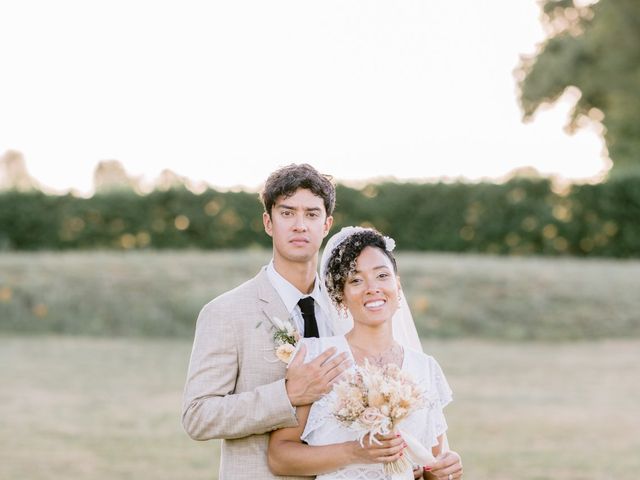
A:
[425,424]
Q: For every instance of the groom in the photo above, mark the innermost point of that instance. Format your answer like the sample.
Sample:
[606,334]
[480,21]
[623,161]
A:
[237,389]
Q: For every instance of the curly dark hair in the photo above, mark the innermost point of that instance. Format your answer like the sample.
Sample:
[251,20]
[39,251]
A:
[342,261]
[288,180]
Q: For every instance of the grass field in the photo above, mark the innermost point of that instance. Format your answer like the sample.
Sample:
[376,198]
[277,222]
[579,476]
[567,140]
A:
[105,409]
[160,293]
[542,354]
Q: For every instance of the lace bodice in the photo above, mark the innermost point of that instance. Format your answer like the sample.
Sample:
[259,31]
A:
[425,424]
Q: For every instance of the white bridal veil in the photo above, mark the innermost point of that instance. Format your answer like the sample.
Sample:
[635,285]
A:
[404,329]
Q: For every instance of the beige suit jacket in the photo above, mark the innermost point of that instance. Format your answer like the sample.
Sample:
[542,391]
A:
[235,385]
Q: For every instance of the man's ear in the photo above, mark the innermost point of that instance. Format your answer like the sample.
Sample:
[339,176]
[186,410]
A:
[328,223]
[268,225]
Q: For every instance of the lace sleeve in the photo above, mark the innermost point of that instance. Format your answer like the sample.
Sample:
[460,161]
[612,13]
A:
[319,415]
[439,395]
[439,383]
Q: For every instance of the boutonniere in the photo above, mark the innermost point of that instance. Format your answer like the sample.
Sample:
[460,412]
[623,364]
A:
[286,338]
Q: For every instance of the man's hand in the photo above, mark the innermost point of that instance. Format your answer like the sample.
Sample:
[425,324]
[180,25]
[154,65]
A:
[307,382]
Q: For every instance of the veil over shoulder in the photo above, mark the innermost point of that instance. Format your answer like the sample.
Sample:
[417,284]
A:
[404,328]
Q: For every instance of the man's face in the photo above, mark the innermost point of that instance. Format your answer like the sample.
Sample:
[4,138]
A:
[297,225]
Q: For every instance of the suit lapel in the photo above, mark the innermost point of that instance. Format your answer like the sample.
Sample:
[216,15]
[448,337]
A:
[272,305]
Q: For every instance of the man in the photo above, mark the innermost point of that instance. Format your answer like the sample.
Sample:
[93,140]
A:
[237,389]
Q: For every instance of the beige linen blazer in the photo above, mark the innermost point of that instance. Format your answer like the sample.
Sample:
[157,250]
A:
[235,384]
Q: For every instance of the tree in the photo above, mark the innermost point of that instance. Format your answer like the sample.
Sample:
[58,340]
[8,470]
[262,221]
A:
[596,49]
[14,174]
[168,180]
[110,175]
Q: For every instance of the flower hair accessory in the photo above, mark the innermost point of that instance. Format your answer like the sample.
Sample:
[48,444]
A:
[389,243]
[335,241]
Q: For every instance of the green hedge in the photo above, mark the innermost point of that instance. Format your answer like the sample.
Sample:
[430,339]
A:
[522,216]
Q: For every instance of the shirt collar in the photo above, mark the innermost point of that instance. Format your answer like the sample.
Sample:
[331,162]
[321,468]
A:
[288,293]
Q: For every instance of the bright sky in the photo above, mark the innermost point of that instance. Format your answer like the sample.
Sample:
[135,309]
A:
[227,91]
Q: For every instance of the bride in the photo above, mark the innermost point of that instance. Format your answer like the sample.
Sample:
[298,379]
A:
[360,274]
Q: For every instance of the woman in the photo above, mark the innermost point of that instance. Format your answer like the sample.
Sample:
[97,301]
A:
[360,274]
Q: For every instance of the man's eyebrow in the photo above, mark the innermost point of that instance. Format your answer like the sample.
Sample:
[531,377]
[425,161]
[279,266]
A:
[290,207]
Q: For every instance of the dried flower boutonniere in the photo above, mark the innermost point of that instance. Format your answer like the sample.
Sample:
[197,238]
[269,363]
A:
[286,338]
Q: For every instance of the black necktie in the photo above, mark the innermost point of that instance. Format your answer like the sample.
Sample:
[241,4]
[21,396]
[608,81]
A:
[308,313]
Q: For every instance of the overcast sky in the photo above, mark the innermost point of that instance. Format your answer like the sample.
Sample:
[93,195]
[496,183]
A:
[226,91]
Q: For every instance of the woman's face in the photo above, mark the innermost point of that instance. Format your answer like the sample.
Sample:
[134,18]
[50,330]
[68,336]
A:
[371,291]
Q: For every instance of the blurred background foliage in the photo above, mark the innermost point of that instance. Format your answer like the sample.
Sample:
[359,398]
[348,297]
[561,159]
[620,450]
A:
[592,52]
[522,216]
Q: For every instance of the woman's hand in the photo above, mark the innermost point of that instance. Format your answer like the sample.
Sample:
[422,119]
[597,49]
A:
[389,449]
[447,467]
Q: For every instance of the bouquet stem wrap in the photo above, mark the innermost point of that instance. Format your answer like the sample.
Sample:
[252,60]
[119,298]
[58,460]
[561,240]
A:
[414,454]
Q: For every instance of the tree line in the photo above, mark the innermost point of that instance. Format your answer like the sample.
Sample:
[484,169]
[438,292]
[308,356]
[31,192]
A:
[523,216]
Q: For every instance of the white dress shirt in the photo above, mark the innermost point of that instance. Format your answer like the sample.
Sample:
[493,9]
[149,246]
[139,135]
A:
[290,296]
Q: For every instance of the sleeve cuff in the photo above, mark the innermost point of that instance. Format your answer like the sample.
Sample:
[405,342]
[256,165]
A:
[281,412]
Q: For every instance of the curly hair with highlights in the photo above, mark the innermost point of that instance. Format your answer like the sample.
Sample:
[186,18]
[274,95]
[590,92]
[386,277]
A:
[342,261]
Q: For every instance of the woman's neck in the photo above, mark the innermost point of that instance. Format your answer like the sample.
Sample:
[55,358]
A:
[373,343]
